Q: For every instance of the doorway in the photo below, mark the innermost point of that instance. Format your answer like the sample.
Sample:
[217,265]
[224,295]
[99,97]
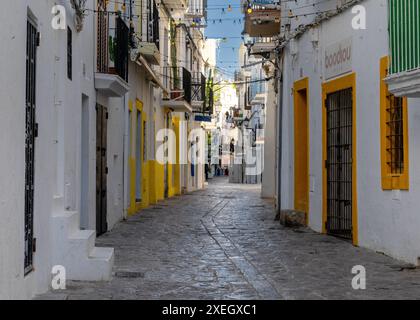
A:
[166,153]
[101,169]
[339,163]
[340,198]
[84,171]
[139,159]
[301,136]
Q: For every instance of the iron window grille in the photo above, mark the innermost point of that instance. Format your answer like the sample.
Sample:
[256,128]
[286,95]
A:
[31,133]
[69,54]
[394,134]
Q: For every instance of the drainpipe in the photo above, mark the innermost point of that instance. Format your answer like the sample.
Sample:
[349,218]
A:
[279,134]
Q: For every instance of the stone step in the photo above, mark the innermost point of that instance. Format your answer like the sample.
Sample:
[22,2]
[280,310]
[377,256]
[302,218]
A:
[67,222]
[96,267]
[83,241]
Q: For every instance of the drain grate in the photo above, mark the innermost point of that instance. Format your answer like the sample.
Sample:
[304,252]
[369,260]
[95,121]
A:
[129,274]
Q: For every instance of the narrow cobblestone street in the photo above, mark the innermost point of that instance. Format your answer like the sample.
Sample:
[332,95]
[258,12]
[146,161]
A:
[223,243]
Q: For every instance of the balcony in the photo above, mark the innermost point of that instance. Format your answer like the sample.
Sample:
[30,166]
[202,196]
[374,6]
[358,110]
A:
[197,9]
[263,47]
[198,97]
[262,20]
[404,40]
[179,84]
[150,48]
[111,78]
[175,6]
[259,99]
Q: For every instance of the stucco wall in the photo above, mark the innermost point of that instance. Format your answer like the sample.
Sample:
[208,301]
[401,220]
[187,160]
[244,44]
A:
[58,147]
[387,220]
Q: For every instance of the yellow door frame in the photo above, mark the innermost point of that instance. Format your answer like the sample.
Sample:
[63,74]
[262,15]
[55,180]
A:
[132,161]
[301,119]
[177,166]
[171,172]
[342,83]
[144,163]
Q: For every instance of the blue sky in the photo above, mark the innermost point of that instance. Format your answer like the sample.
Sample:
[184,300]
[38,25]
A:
[230,26]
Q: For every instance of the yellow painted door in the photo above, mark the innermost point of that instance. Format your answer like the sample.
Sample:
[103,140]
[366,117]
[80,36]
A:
[301,151]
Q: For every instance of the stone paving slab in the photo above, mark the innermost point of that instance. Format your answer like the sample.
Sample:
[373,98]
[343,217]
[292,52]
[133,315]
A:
[223,243]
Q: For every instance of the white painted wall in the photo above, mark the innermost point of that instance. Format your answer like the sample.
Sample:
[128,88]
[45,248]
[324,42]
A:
[268,186]
[58,147]
[388,221]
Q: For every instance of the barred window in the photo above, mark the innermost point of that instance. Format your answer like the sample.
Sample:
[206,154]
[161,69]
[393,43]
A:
[394,136]
[69,54]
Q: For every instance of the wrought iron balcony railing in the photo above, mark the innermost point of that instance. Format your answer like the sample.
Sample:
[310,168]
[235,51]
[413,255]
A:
[198,87]
[153,28]
[404,35]
[112,45]
[178,80]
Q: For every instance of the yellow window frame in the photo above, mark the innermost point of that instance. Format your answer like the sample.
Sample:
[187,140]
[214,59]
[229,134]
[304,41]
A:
[392,181]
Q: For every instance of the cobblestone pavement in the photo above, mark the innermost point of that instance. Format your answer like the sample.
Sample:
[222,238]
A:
[223,243]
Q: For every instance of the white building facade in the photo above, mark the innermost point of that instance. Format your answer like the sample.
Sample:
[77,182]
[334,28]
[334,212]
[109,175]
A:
[82,105]
[349,155]
[48,164]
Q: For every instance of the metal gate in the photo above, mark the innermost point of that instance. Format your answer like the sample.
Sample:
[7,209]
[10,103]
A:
[31,133]
[339,163]
[101,169]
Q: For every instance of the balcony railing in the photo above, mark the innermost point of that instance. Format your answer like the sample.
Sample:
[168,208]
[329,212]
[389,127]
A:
[113,42]
[198,88]
[209,109]
[404,43]
[179,82]
[197,8]
[404,35]
[153,25]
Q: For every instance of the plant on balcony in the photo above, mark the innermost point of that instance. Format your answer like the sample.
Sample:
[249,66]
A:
[112,47]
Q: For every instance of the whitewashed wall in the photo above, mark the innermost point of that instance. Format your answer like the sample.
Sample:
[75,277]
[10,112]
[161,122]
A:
[268,187]
[388,220]
[58,147]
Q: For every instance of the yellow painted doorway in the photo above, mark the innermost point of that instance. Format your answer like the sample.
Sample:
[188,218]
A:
[301,136]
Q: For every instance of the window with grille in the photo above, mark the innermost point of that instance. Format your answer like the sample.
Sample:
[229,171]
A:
[394,136]
[69,54]
[32,39]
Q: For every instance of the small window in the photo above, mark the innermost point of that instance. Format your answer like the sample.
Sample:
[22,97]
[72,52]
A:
[69,54]
[394,136]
